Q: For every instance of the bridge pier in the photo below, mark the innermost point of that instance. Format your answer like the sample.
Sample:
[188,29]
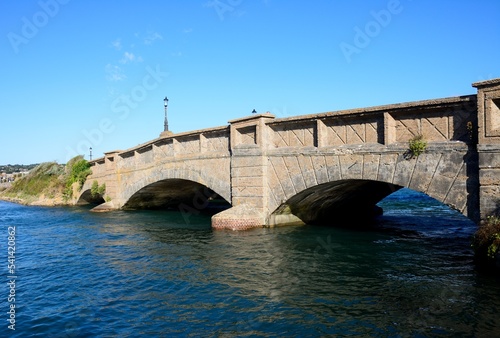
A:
[249,193]
[488,102]
[240,217]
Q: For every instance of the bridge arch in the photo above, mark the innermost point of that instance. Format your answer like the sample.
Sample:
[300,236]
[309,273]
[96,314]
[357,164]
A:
[339,200]
[169,187]
[86,197]
[350,185]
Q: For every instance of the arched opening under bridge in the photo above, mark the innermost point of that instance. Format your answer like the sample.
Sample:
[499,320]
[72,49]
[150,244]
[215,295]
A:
[88,198]
[177,194]
[337,202]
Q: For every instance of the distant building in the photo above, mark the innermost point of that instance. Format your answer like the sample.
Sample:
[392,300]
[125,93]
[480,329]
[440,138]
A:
[6,178]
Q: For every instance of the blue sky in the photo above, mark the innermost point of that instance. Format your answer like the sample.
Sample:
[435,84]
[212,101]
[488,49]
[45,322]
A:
[93,73]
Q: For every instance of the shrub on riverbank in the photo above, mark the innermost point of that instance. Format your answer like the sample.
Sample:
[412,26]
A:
[486,243]
[44,179]
[77,170]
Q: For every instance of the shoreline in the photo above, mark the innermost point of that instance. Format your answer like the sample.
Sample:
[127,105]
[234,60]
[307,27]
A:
[40,202]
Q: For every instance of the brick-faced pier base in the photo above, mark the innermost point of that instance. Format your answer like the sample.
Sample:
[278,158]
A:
[241,217]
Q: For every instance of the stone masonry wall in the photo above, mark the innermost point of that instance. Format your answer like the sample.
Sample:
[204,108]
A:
[440,172]
[488,98]
[258,162]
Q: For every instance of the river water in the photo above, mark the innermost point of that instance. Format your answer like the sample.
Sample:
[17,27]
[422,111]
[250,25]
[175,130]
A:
[168,274]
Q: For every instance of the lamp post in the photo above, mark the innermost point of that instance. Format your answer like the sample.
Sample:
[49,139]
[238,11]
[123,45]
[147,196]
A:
[165,103]
[90,157]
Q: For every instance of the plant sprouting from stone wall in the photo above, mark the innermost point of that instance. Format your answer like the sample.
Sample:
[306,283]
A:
[416,146]
[97,190]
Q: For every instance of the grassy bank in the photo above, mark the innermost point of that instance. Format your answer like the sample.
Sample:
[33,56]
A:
[49,183]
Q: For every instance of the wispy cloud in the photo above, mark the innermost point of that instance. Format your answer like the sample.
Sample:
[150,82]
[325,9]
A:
[117,44]
[114,73]
[187,30]
[115,70]
[152,37]
[130,57]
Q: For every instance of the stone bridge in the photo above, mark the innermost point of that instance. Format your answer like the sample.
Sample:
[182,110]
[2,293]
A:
[317,168]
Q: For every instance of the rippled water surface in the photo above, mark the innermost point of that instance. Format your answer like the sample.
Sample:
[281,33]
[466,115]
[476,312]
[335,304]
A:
[119,274]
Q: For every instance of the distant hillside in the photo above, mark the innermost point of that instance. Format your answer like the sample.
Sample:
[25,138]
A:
[14,168]
[49,183]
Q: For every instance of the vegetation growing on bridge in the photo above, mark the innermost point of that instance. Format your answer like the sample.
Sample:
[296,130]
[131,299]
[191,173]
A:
[49,183]
[97,190]
[486,243]
[416,146]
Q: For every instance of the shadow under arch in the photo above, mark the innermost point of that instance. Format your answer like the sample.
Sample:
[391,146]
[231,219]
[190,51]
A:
[337,201]
[86,197]
[176,194]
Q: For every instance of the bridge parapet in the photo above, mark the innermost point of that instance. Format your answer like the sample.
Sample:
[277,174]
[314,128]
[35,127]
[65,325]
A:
[440,120]
[98,167]
[199,143]
[105,165]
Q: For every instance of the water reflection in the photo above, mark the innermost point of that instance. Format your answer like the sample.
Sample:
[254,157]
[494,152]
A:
[130,273]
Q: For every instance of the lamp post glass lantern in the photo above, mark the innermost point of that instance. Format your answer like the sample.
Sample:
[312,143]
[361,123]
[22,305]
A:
[165,104]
